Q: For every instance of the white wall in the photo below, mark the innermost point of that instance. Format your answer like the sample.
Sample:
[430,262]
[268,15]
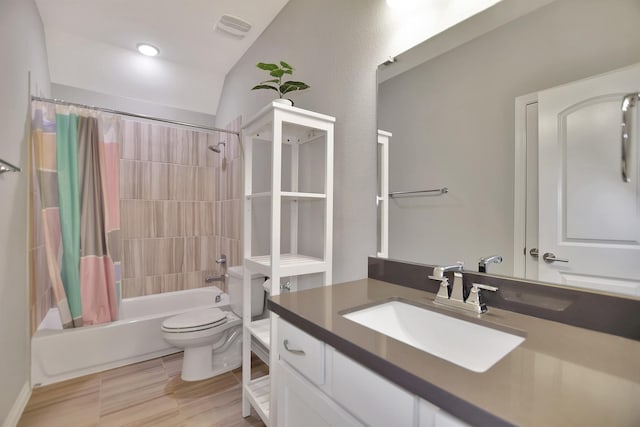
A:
[129,105]
[22,48]
[336,46]
[453,124]
[104,68]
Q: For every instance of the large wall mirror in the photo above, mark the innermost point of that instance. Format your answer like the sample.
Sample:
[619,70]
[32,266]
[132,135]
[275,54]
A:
[500,104]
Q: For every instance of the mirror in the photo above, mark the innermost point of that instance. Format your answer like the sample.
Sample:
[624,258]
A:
[450,105]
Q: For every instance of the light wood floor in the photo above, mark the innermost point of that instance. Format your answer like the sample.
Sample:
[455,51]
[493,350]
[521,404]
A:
[149,393]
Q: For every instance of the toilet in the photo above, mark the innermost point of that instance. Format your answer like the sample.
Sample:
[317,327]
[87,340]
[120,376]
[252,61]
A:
[212,337]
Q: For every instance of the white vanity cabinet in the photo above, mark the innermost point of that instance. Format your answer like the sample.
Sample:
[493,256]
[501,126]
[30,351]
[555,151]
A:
[319,386]
[300,403]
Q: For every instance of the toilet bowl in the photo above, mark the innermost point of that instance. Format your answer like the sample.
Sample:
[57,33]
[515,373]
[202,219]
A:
[201,333]
[211,338]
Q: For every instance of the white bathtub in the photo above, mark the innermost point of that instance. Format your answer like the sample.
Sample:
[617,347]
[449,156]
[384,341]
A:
[58,355]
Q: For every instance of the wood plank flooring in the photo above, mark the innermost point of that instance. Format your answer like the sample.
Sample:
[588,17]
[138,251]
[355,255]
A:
[149,393]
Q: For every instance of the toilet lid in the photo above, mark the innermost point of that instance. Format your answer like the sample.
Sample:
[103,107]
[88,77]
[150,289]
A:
[196,319]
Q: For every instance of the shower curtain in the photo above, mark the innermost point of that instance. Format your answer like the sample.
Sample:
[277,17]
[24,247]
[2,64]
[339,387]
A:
[76,180]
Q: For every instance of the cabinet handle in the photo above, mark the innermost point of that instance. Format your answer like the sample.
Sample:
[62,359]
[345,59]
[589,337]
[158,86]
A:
[534,253]
[292,350]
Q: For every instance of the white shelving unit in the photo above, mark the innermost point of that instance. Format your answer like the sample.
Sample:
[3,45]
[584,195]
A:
[288,224]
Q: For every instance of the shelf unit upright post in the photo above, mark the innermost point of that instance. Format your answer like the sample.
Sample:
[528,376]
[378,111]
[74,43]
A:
[278,125]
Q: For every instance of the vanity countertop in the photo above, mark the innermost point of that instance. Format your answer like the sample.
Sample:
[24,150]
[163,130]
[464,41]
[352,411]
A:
[561,375]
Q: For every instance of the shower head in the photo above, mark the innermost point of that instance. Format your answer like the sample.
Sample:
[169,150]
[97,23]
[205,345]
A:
[216,147]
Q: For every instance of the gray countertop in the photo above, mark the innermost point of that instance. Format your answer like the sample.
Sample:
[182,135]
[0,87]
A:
[561,375]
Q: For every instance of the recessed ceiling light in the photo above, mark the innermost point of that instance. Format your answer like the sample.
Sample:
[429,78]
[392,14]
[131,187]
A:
[147,49]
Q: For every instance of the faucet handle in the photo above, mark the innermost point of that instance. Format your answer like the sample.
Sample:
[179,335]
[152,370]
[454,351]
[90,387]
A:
[474,299]
[443,291]
[477,286]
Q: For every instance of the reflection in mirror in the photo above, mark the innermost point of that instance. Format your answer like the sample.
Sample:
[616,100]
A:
[465,119]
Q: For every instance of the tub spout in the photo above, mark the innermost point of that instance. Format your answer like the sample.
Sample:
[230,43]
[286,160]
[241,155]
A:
[222,278]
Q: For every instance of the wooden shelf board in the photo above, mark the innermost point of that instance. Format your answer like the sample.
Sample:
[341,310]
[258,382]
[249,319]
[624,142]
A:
[258,392]
[261,330]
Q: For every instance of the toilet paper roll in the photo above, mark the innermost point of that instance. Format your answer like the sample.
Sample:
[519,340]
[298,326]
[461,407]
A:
[267,286]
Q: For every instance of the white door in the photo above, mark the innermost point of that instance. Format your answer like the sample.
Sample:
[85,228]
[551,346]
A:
[588,216]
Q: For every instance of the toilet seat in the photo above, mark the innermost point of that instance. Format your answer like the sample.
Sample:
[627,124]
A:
[195,321]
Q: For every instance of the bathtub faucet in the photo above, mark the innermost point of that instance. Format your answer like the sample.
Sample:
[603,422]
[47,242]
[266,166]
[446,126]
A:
[222,278]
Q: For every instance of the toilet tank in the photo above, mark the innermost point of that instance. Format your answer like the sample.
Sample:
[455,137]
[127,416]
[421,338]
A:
[235,291]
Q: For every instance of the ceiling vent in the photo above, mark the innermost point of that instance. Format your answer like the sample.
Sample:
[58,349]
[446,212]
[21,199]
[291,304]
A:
[233,26]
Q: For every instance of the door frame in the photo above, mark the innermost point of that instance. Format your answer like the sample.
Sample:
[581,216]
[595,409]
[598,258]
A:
[520,183]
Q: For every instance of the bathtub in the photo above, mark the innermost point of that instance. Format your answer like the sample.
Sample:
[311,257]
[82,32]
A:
[58,355]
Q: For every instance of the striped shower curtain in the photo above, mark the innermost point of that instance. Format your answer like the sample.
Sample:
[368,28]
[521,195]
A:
[76,180]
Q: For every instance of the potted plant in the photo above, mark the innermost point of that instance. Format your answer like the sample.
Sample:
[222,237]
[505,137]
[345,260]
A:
[277,72]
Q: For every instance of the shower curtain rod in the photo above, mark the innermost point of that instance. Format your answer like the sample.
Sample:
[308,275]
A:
[139,116]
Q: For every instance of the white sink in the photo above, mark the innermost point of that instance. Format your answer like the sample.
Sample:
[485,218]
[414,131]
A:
[472,346]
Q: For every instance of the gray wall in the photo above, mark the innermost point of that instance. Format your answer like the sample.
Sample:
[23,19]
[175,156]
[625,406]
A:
[130,105]
[335,46]
[22,48]
[453,124]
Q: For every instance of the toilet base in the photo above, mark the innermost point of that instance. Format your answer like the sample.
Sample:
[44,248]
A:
[201,363]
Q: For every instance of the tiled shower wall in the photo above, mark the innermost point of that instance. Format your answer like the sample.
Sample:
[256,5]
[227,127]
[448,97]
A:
[179,208]
[229,196]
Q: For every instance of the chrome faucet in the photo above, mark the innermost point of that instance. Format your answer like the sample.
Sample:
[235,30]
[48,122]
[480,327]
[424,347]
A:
[438,274]
[484,261]
[222,278]
[456,299]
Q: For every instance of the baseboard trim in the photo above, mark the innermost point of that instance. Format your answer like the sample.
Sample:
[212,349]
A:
[18,406]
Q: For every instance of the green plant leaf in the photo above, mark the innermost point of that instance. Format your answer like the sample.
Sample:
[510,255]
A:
[279,72]
[285,65]
[271,81]
[265,87]
[268,67]
[291,86]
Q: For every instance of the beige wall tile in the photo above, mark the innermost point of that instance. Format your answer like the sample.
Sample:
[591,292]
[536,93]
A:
[192,253]
[127,179]
[172,187]
[172,282]
[159,181]
[133,287]
[177,261]
[132,259]
[167,218]
[145,218]
[153,284]
[194,279]
[156,255]
[158,144]
[190,218]
[218,219]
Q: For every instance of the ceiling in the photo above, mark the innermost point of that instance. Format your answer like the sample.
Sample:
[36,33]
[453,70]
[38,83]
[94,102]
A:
[182,30]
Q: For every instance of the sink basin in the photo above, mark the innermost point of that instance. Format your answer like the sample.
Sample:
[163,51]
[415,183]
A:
[470,345]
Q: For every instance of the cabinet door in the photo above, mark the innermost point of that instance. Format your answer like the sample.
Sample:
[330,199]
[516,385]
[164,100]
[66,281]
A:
[302,404]
[370,397]
[442,419]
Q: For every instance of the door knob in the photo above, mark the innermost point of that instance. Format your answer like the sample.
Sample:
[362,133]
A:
[550,257]
[534,252]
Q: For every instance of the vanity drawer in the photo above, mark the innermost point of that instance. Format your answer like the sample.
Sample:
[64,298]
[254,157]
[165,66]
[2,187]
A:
[302,351]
